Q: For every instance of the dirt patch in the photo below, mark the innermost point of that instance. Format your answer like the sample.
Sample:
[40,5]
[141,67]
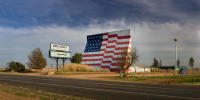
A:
[96,76]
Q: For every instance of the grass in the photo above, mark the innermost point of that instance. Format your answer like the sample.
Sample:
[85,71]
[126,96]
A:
[31,94]
[185,79]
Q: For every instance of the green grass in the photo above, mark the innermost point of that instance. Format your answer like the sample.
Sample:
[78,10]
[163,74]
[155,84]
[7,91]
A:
[191,79]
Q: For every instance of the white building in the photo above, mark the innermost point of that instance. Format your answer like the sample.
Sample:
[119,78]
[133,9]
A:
[139,69]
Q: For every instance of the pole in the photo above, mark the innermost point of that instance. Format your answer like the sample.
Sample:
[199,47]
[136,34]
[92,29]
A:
[176,55]
[56,64]
[63,63]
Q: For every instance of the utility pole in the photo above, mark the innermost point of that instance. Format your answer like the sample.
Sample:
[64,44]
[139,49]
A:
[176,55]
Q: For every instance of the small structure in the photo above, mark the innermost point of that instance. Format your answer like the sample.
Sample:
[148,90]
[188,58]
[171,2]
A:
[181,69]
[139,69]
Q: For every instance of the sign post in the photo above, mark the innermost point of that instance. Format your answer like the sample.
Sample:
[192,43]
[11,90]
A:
[63,63]
[56,64]
[59,52]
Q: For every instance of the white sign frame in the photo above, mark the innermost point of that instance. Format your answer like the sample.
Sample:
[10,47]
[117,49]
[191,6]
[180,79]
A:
[58,47]
[59,54]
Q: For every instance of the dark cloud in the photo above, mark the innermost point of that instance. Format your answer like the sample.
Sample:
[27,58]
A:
[78,12]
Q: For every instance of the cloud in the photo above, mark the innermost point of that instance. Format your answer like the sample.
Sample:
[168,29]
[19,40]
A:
[151,39]
[72,13]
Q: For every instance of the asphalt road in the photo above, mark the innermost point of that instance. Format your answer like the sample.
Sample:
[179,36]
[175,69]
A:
[104,90]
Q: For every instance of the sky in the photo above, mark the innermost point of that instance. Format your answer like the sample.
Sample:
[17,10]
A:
[29,24]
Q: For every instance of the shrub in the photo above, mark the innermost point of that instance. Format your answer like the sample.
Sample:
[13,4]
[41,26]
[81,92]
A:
[16,66]
[77,68]
[77,58]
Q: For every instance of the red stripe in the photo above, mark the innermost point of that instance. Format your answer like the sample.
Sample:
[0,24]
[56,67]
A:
[124,37]
[104,33]
[103,44]
[118,58]
[115,64]
[105,66]
[84,60]
[92,55]
[122,48]
[102,49]
[106,61]
[107,56]
[112,46]
[109,51]
[106,39]
[123,43]
[122,53]
[112,41]
[113,35]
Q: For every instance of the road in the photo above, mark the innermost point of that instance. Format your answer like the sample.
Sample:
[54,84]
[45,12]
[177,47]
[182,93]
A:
[104,90]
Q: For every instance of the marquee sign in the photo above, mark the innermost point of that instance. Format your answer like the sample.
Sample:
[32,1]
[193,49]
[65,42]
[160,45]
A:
[58,47]
[59,51]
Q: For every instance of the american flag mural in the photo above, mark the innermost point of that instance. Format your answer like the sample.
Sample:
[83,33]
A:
[104,50]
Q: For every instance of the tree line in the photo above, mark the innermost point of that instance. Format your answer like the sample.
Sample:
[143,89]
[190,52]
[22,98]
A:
[156,63]
[36,60]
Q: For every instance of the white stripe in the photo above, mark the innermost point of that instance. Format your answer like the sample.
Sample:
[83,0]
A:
[123,40]
[95,57]
[92,62]
[110,49]
[105,64]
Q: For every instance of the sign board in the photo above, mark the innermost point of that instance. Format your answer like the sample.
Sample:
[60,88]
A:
[58,47]
[59,54]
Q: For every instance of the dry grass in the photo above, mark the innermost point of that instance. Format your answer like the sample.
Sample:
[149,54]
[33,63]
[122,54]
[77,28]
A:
[77,68]
[188,72]
[193,72]
[161,70]
[8,92]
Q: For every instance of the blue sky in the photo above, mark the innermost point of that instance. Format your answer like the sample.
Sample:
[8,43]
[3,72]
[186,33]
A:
[28,24]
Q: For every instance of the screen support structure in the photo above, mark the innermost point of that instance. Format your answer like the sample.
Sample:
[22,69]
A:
[56,64]
[59,52]
[57,59]
[63,63]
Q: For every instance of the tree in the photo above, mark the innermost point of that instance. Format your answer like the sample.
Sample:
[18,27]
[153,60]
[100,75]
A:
[77,58]
[155,62]
[191,62]
[16,66]
[126,60]
[178,62]
[36,59]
